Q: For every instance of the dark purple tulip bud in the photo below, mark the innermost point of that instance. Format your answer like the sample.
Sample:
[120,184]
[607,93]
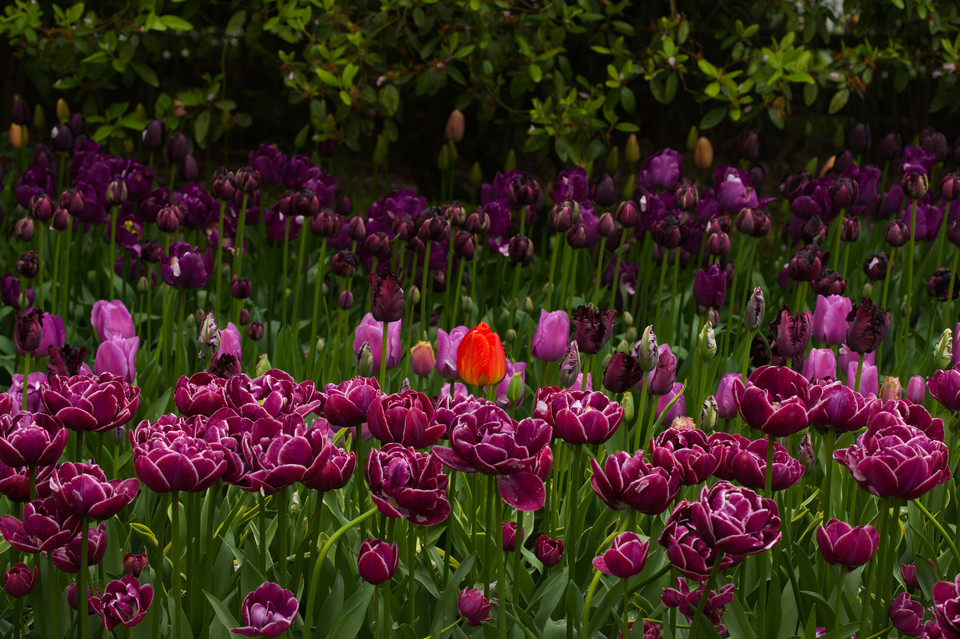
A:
[627,214]
[897,233]
[577,236]
[548,551]
[344,205]
[431,225]
[327,223]
[813,229]
[846,545]
[876,266]
[473,607]
[710,287]
[116,193]
[73,200]
[792,332]
[909,574]
[244,318]
[754,223]
[523,191]
[938,286]
[891,146]
[23,231]
[20,112]
[92,593]
[248,179]
[934,142]
[267,611]
[478,222]
[356,229]
[859,139]
[134,564]
[592,328]
[868,326]
[605,191]
[404,228]
[223,185]
[345,301]
[78,124]
[464,244]
[756,308]
[793,181]
[669,232]
[950,187]
[255,331]
[60,219]
[606,225]
[520,250]
[843,161]
[805,264]
[305,203]
[850,229]
[563,215]
[153,134]
[718,244]
[240,288]
[623,371]
[177,148]
[455,213]
[829,283]
[440,281]
[378,245]
[62,137]
[686,196]
[953,232]
[344,263]
[626,557]
[168,218]
[844,192]
[20,580]
[386,296]
[749,145]
[152,251]
[187,170]
[28,264]
[914,183]
[42,207]
[509,535]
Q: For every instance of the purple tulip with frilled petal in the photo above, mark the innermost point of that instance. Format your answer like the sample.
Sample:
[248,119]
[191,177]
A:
[268,611]
[273,394]
[349,402]
[627,481]
[407,484]
[581,417]
[200,394]
[83,490]
[407,418]
[90,402]
[31,439]
[774,400]
[124,601]
[749,466]
[689,449]
[44,526]
[167,461]
[281,452]
[67,557]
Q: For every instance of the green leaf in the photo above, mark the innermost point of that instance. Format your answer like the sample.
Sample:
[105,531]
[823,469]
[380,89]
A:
[670,89]
[236,22]
[707,68]
[810,92]
[327,78]
[201,127]
[176,23]
[535,72]
[352,620]
[390,99]
[222,613]
[713,118]
[346,98]
[349,72]
[146,73]
[838,100]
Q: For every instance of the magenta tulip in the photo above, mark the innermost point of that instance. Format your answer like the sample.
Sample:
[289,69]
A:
[124,601]
[846,545]
[551,337]
[111,319]
[267,611]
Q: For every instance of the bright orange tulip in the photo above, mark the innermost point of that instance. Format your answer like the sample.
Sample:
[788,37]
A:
[480,357]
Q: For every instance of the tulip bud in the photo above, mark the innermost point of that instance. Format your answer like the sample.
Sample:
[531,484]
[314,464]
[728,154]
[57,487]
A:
[915,184]
[23,229]
[549,551]
[143,285]
[916,389]
[240,288]
[850,229]
[413,295]
[753,316]
[805,452]
[605,190]
[686,196]
[749,146]
[703,154]
[844,192]
[345,301]
[466,303]
[455,125]
[62,110]
[168,218]
[365,360]
[527,305]
[515,389]
[377,561]
[18,136]
[443,158]
[476,175]
[520,249]
[509,535]
[422,358]
[629,410]
[707,345]
[177,148]
[891,389]
[20,580]
[356,229]
[28,264]
[631,151]
[344,264]
[255,331]
[943,353]
[134,564]
[248,179]
[209,338]
[62,137]
[570,366]
[648,352]
[897,233]
[627,214]
[510,164]
[950,187]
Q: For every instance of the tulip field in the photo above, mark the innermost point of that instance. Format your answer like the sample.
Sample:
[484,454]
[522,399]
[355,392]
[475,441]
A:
[678,399]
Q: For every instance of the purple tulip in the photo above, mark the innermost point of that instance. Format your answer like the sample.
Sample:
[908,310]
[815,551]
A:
[592,328]
[272,165]
[734,191]
[335,473]
[67,557]
[348,402]
[726,403]
[406,418]
[230,341]
[83,490]
[792,332]
[915,390]
[945,388]
[896,461]
[407,484]
[371,331]
[906,615]
[49,331]
[185,267]
[725,447]
[267,611]
[946,607]
[840,408]
[201,394]
[774,400]
[846,545]
[584,417]
[626,557]
[549,551]
[821,363]
[118,355]
[679,408]
[847,356]
[95,403]
[898,413]
[111,318]
[627,481]
[45,526]
[169,459]
[133,564]
[869,379]
[661,171]
[15,482]
[687,602]
[660,380]
[688,449]
[710,287]
[280,452]
[487,440]
[273,394]
[72,597]
[473,607]
[830,319]
[31,439]
[550,340]
[19,580]
[447,345]
[377,561]
[750,463]
[124,601]
[867,326]
[508,534]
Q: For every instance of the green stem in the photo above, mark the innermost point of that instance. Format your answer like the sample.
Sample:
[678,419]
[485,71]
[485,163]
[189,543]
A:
[553,265]
[599,274]
[178,356]
[572,499]
[504,586]
[828,441]
[490,536]
[82,579]
[663,279]
[841,576]
[424,320]
[638,439]
[296,281]
[585,624]
[411,570]
[113,251]
[517,552]
[955,560]
[383,356]
[616,270]
[910,260]
[856,379]
[282,517]
[218,270]
[316,305]
[26,378]
[238,251]
[696,623]
[175,551]
[285,245]
[456,294]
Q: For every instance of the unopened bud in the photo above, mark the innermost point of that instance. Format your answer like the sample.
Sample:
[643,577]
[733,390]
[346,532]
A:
[647,350]
[708,414]
[244,318]
[756,307]
[527,305]
[891,389]
[943,353]
[632,334]
[365,360]
[805,452]
[570,366]
[707,345]
[143,285]
[515,389]
[703,154]
[413,295]
[629,410]
[63,110]
[255,331]
[190,321]
[628,318]
[631,152]
[209,338]
[467,303]
[263,365]
[510,336]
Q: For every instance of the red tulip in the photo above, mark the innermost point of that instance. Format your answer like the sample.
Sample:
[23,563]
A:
[480,357]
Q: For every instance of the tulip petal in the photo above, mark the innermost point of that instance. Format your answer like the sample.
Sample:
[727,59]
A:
[523,491]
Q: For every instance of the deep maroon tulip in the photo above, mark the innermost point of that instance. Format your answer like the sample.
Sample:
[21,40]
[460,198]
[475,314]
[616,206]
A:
[859,139]
[661,379]
[348,403]
[896,461]
[687,448]
[627,481]
[710,287]
[940,284]
[669,232]
[842,409]
[792,333]
[178,463]
[946,607]
[273,394]
[83,489]
[487,440]
[846,545]
[27,330]
[153,134]
[19,580]
[31,439]
[186,267]
[387,297]
[407,484]
[124,601]
[626,557]
[281,452]
[134,564]
[581,417]
[592,328]
[687,602]
[335,473]
[377,561]
[95,403]
[509,535]
[549,551]
[725,447]
[523,190]
[774,400]
[15,482]
[944,386]
[830,319]
[45,526]
[268,611]
[622,373]
[67,557]
[901,413]
[906,615]
[805,265]
[473,607]
[829,283]
[691,551]
[750,463]
[200,394]
[406,418]
[867,327]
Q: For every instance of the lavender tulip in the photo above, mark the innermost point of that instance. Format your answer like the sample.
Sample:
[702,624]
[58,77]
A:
[821,363]
[407,484]
[267,611]
[447,345]
[846,545]
[726,404]
[111,318]
[830,319]
[944,385]
[626,557]
[869,379]
[370,331]
[915,389]
[549,341]
[118,355]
